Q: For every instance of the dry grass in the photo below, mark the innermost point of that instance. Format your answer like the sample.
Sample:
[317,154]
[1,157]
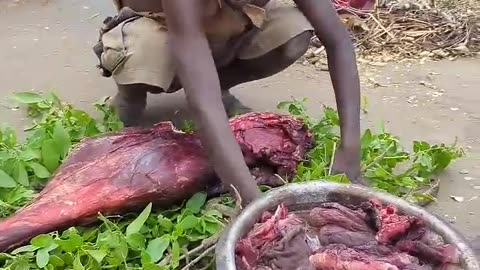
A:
[415,29]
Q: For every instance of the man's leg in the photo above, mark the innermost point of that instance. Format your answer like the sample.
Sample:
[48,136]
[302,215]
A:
[241,71]
[131,99]
[138,56]
[129,103]
[284,38]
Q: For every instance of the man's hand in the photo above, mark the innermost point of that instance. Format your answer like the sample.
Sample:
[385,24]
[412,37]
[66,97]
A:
[197,72]
[343,72]
[347,161]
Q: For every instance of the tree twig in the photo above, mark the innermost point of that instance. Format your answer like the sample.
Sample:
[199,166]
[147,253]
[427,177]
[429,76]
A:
[200,257]
[207,243]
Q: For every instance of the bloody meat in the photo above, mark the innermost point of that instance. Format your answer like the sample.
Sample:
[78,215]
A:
[124,171]
[336,237]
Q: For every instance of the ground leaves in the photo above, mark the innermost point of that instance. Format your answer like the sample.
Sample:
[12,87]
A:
[161,239]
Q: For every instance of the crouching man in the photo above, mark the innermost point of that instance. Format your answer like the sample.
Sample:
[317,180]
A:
[208,46]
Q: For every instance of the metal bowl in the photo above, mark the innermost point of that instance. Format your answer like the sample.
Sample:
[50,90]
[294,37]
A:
[306,196]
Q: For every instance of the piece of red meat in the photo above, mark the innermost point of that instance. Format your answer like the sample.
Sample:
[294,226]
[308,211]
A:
[358,240]
[390,225]
[340,238]
[124,171]
[437,255]
[277,241]
[336,257]
[278,141]
[339,215]
[429,246]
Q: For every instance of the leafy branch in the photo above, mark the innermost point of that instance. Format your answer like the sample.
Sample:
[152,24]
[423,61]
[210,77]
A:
[385,163]
[183,236]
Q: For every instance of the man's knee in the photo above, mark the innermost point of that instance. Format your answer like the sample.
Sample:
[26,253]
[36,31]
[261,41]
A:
[296,47]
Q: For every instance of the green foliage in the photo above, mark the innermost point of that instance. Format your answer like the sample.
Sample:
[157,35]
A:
[385,163]
[158,240]
[27,164]
[165,239]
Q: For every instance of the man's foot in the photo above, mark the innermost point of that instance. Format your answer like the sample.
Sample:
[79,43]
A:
[233,106]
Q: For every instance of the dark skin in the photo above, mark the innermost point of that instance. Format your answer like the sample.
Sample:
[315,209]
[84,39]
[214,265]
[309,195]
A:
[203,82]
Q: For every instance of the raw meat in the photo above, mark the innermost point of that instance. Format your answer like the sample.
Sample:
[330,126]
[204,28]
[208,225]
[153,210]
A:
[438,254]
[391,224]
[277,236]
[119,172]
[333,236]
[340,257]
[337,214]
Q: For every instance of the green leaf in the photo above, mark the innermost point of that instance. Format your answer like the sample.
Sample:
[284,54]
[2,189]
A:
[43,240]
[27,248]
[441,160]
[136,241]
[175,254]
[77,264]
[151,266]
[212,228]
[189,222]
[62,139]
[21,174]
[98,255]
[21,264]
[420,146]
[213,213]
[137,224]
[165,223]
[50,155]
[157,247]
[34,141]
[420,198]
[54,99]
[145,258]
[27,97]
[407,182]
[42,258]
[9,137]
[338,178]
[283,105]
[39,170]
[196,202]
[366,139]
[56,261]
[6,181]
[72,242]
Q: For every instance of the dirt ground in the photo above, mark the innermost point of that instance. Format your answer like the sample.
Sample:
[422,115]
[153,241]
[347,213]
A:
[46,45]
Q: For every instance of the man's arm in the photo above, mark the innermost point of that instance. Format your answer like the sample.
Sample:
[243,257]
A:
[197,72]
[344,74]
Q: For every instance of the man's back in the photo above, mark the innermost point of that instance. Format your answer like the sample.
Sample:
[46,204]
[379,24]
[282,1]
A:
[211,6]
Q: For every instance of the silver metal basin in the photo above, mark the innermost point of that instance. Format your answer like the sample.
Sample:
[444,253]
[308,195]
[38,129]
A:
[306,196]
